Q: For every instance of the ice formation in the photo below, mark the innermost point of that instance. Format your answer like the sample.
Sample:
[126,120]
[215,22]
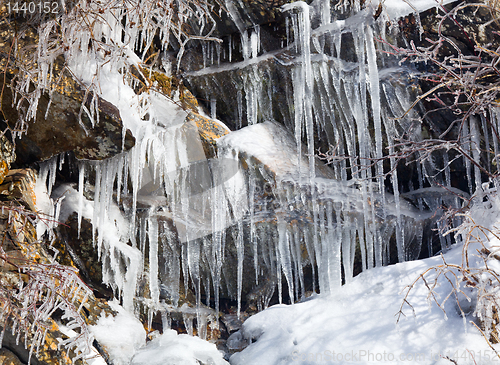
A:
[182,211]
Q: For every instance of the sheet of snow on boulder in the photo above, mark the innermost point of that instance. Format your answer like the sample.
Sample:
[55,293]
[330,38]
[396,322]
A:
[398,8]
[358,325]
[173,349]
[121,335]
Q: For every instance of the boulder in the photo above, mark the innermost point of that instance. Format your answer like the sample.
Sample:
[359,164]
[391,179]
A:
[18,185]
[61,123]
[59,129]
[209,131]
[9,358]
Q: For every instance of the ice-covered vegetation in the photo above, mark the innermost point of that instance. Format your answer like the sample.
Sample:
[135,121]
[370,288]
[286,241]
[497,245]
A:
[42,287]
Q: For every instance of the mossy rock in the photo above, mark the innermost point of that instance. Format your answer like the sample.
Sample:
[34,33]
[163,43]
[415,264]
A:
[8,358]
[209,131]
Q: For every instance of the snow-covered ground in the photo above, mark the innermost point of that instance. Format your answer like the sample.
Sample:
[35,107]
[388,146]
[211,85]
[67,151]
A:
[124,338]
[358,324]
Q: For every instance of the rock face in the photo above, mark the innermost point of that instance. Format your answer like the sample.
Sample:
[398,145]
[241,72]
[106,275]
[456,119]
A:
[8,358]
[59,130]
[18,186]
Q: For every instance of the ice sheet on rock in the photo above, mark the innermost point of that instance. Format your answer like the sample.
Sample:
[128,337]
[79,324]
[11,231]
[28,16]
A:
[270,144]
[173,349]
[121,263]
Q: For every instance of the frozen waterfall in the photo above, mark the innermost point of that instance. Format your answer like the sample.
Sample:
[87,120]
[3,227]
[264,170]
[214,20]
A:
[166,214]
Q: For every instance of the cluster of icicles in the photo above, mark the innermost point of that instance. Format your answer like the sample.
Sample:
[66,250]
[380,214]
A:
[178,231]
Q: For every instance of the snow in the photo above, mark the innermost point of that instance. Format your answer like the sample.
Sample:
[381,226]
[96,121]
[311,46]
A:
[396,9]
[358,323]
[173,349]
[120,335]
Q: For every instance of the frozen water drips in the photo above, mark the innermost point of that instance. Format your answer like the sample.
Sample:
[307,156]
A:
[303,81]
[329,214]
[153,256]
[475,149]
[81,182]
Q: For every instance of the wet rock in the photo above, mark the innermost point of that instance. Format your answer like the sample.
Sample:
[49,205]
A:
[77,249]
[8,358]
[18,186]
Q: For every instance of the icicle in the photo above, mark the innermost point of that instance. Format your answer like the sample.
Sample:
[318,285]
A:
[213,108]
[298,263]
[475,149]
[465,136]
[255,42]
[240,256]
[376,108]
[153,256]
[95,218]
[81,182]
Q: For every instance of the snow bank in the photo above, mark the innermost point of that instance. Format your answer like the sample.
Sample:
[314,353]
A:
[358,325]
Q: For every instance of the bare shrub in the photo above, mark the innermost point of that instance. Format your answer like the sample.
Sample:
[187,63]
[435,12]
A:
[474,283]
[33,286]
[468,86]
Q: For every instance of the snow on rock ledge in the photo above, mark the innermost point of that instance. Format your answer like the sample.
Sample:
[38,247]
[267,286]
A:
[173,349]
[120,335]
